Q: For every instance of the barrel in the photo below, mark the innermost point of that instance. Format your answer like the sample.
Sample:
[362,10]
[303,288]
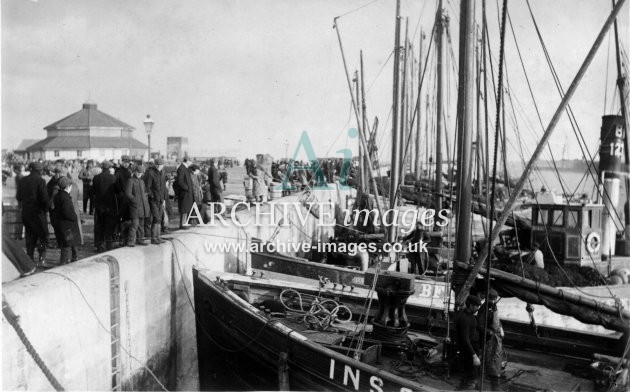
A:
[249,188]
[12,221]
[275,191]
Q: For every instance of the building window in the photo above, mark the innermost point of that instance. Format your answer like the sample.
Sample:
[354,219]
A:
[56,153]
[79,153]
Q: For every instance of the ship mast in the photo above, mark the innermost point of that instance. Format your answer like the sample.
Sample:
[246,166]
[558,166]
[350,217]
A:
[440,25]
[395,164]
[465,125]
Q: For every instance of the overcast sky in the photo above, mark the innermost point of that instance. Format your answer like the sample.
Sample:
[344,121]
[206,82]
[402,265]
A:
[249,75]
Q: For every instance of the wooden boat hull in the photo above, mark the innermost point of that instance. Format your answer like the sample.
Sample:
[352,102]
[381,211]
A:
[249,341]
[551,332]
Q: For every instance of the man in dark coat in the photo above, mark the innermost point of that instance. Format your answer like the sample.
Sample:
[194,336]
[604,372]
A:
[87,175]
[468,342]
[139,210]
[155,182]
[105,207]
[494,355]
[34,202]
[418,258]
[184,192]
[216,187]
[52,187]
[66,221]
[123,175]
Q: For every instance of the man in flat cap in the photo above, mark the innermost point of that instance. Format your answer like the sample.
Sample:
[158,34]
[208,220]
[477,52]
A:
[33,199]
[155,182]
[139,210]
[495,355]
[66,221]
[184,192]
[468,342]
[87,176]
[123,175]
[105,207]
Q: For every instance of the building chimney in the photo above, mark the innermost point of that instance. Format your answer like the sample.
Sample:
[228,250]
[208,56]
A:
[89,106]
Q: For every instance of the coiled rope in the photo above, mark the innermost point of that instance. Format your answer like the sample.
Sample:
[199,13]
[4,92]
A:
[318,313]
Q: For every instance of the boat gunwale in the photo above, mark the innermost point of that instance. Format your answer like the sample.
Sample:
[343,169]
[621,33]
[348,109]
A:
[295,336]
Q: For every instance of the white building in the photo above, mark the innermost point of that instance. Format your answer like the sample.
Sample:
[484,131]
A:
[88,134]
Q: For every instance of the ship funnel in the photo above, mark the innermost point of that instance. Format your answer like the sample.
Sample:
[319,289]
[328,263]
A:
[610,169]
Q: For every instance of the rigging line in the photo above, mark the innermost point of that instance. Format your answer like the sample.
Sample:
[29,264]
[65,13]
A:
[569,110]
[356,9]
[487,35]
[203,329]
[494,174]
[107,330]
[529,86]
[415,31]
[553,160]
[391,53]
[343,130]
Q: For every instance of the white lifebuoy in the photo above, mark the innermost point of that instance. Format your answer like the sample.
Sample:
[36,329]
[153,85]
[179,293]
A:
[593,242]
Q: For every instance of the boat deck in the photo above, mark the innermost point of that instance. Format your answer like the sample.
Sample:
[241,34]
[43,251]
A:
[525,371]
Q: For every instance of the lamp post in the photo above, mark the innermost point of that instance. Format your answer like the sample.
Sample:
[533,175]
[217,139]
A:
[148,126]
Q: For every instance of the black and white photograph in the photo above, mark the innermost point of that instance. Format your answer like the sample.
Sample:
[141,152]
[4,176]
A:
[315,195]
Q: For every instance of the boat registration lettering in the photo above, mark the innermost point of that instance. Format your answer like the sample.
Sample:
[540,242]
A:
[352,377]
[431,290]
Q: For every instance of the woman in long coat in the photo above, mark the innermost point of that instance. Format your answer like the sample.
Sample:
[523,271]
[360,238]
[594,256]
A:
[65,220]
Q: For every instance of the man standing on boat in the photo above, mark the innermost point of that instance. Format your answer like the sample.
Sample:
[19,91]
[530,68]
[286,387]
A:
[418,255]
[468,342]
[494,354]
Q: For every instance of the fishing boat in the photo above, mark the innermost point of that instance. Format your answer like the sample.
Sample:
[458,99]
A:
[276,334]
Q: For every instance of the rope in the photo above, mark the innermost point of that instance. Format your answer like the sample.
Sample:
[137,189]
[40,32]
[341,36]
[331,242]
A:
[356,9]
[320,313]
[203,329]
[12,318]
[494,171]
[106,329]
[367,304]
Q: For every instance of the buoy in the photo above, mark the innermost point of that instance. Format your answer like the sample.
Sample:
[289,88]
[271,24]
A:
[623,273]
[614,280]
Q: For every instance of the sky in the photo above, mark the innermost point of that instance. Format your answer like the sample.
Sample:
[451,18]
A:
[251,76]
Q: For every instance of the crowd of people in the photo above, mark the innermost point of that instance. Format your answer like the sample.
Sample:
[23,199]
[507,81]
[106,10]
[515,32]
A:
[131,201]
